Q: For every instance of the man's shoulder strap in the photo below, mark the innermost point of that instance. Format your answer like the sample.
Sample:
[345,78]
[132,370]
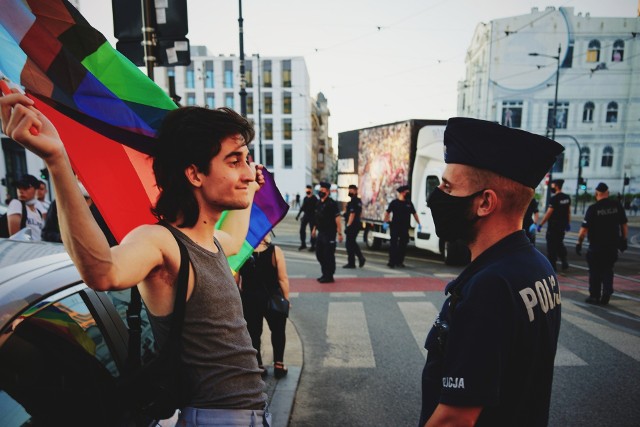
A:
[179,308]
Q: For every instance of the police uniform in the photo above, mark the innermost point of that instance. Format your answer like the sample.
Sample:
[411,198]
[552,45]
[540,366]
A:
[308,211]
[558,222]
[351,232]
[325,217]
[603,221]
[401,211]
[494,341]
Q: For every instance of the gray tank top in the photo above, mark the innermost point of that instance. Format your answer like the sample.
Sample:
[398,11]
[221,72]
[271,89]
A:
[219,363]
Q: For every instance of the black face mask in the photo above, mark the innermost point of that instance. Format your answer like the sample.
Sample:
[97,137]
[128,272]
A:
[352,195]
[451,215]
[322,194]
[308,193]
[553,190]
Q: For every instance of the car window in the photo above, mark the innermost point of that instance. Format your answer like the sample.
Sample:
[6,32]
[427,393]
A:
[56,367]
[121,300]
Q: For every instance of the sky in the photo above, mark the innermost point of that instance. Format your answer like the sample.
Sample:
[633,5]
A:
[376,62]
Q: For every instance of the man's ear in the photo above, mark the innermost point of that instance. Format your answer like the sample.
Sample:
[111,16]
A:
[194,176]
[488,203]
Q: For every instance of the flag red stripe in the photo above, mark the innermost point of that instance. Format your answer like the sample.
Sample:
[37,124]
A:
[107,172]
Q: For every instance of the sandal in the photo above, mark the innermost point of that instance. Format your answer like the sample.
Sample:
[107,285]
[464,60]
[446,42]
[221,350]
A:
[279,370]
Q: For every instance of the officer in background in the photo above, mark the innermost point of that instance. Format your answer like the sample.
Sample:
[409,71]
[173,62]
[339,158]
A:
[352,228]
[559,217]
[327,225]
[491,349]
[605,223]
[308,212]
[400,211]
[530,220]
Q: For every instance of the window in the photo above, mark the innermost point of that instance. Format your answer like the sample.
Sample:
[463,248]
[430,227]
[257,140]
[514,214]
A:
[286,103]
[268,156]
[191,99]
[210,100]
[612,112]
[249,103]
[585,156]
[607,157]
[512,114]
[287,131]
[287,156]
[57,352]
[593,52]
[228,100]
[558,166]
[617,55]
[171,72]
[286,73]
[268,129]
[190,78]
[587,113]
[228,74]
[268,103]
[266,73]
[248,73]
[208,74]
[562,115]
[252,153]
[320,156]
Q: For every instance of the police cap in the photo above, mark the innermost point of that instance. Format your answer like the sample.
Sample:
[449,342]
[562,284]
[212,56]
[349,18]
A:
[602,188]
[513,153]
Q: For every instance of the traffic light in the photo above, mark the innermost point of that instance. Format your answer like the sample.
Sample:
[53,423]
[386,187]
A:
[44,174]
[582,183]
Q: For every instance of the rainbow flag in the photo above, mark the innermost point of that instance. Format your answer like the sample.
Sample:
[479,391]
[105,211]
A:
[106,110]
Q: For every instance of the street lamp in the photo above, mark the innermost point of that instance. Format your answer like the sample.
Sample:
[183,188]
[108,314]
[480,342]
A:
[260,158]
[555,104]
[243,83]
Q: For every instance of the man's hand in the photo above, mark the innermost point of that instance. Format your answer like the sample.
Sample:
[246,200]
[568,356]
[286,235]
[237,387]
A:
[533,228]
[622,244]
[579,249]
[340,237]
[539,228]
[259,175]
[18,115]
[385,226]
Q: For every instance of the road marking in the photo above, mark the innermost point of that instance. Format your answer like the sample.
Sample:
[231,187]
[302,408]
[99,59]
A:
[408,294]
[419,317]
[344,294]
[565,357]
[396,276]
[621,341]
[349,345]
[445,275]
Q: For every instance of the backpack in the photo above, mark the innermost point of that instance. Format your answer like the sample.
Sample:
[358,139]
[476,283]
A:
[4,221]
[154,390]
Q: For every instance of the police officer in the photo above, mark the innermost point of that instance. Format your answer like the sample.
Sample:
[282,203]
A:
[327,225]
[559,217]
[352,228]
[492,347]
[308,211]
[605,223]
[530,220]
[400,211]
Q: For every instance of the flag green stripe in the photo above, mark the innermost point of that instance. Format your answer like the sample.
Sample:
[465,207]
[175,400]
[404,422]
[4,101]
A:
[124,79]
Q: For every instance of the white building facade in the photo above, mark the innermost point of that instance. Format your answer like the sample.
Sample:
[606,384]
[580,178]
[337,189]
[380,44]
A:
[278,102]
[598,90]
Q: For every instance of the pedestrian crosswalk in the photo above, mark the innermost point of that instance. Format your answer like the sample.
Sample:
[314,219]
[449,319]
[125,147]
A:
[349,342]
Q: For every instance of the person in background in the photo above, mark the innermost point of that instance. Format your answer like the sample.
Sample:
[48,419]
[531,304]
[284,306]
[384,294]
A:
[202,168]
[605,224]
[262,275]
[308,212]
[559,217]
[400,211]
[27,187]
[530,221]
[41,194]
[352,226]
[327,225]
[491,349]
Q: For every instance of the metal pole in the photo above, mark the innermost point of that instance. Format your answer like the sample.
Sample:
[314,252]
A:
[553,117]
[148,37]
[260,157]
[575,207]
[243,83]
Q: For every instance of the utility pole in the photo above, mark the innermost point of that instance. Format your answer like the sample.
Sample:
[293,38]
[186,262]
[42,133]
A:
[243,83]
[260,156]
[148,37]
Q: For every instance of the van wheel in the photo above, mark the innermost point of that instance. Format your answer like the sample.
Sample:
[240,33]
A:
[371,242]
